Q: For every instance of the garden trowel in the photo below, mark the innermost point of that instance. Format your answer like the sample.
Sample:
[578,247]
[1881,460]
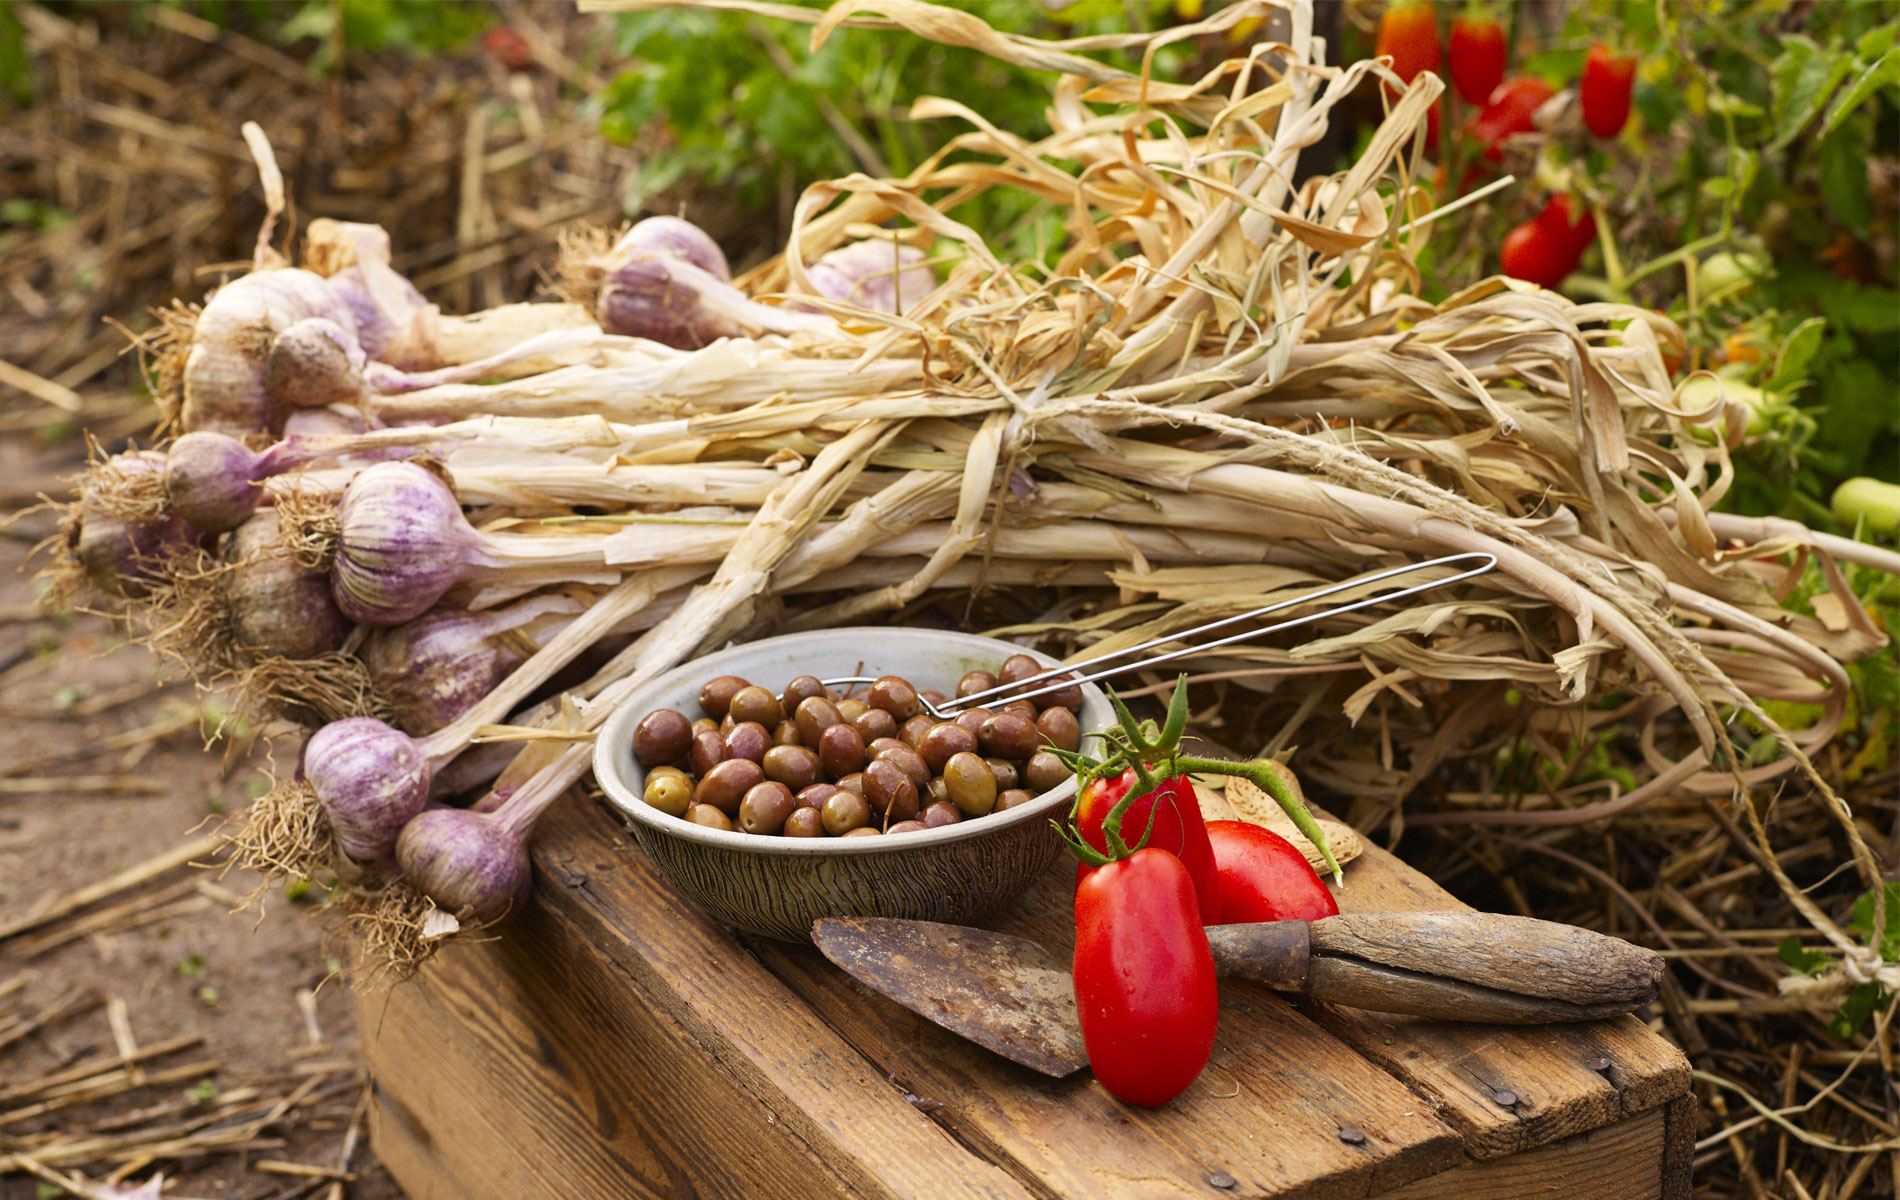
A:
[1010,995]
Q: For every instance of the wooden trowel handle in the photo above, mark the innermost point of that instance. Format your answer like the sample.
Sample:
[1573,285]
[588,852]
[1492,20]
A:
[1466,966]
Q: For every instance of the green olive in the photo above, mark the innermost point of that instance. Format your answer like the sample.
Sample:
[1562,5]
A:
[851,710]
[671,794]
[970,783]
[844,811]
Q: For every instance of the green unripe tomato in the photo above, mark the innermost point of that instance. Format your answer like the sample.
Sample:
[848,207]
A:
[1873,501]
[1726,273]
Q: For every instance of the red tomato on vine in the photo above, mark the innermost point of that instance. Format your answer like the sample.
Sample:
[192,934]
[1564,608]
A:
[1604,91]
[1478,55]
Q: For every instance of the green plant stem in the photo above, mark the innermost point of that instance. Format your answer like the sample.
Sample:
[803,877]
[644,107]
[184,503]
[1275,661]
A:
[1267,780]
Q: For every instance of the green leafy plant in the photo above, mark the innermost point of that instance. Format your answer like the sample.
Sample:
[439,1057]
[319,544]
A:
[1753,195]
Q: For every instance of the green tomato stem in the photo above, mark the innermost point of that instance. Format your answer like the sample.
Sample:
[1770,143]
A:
[1268,781]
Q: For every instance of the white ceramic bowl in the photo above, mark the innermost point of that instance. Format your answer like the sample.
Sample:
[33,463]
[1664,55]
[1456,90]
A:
[777,886]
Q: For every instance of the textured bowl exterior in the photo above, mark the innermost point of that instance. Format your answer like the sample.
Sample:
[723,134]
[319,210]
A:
[779,886]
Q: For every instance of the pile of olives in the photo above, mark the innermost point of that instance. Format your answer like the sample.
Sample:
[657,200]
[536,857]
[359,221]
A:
[809,762]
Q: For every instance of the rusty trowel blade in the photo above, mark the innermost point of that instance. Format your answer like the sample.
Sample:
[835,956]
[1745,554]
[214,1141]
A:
[1004,993]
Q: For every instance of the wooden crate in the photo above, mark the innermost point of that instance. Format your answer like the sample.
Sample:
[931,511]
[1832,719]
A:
[615,1043]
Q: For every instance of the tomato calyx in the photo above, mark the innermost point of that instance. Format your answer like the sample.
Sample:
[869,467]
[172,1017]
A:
[1147,757]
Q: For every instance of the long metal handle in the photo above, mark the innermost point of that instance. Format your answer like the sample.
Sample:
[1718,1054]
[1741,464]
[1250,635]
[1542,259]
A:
[1057,678]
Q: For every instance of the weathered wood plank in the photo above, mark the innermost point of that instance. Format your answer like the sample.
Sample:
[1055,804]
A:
[1265,1119]
[614,1043]
[1505,1090]
[1621,1162]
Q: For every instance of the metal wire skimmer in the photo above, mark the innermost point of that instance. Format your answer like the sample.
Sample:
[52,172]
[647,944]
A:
[1057,678]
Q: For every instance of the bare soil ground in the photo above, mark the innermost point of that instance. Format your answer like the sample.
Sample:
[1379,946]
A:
[252,1045]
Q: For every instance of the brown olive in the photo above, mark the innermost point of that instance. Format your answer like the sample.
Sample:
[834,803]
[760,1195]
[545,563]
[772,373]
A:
[908,827]
[707,815]
[671,794]
[880,745]
[794,766]
[800,689]
[1067,697]
[1022,708]
[703,724]
[1007,775]
[913,730]
[975,681]
[804,822]
[814,715]
[786,734]
[709,750]
[815,795]
[932,698]
[908,761]
[971,784]
[972,718]
[942,741]
[1044,771]
[895,696]
[662,736]
[715,695]
[1008,735]
[1059,728]
[940,814]
[765,808]
[851,710]
[889,791]
[874,723]
[1018,667]
[748,739]
[1011,799]
[853,783]
[841,750]
[756,704]
[862,831]
[844,811]
[726,784]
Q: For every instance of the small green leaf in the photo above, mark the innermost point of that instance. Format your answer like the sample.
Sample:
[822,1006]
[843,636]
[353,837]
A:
[1883,73]
[1560,67]
[1805,76]
[202,1092]
[1857,1009]
[1887,945]
[1844,175]
[208,996]
[1791,365]
[192,966]
[1798,958]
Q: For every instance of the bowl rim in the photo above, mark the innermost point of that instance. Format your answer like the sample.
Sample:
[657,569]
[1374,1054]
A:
[617,732]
